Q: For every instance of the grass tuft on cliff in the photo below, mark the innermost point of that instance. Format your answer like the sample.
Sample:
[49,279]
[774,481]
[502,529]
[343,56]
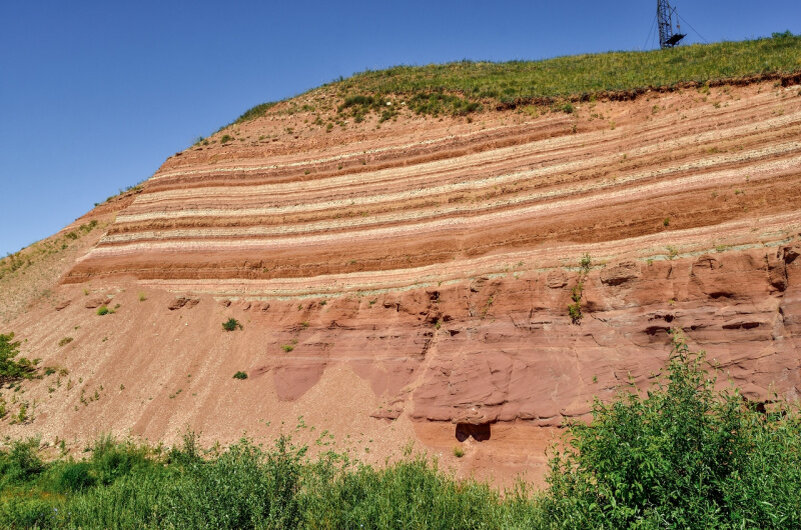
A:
[462,87]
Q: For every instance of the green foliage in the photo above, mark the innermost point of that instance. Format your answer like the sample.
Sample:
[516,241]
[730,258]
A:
[226,138]
[574,309]
[72,477]
[231,325]
[103,310]
[256,112]
[21,463]
[680,456]
[12,369]
[111,460]
[240,375]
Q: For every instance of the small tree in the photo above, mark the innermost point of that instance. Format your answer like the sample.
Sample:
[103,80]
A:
[11,369]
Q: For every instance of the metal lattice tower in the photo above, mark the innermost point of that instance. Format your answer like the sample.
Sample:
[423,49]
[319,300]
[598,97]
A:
[664,15]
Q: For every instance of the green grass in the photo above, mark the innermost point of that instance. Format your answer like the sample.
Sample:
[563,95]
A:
[34,253]
[467,86]
[682,455]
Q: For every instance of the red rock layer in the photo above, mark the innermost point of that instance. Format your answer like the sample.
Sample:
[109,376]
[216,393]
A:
[477,230]
[416,277]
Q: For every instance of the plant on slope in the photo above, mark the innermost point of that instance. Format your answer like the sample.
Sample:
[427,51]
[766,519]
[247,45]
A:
[574,309]
[12,369]
[231,324]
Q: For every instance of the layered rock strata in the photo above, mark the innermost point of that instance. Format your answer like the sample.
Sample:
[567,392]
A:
[436,260]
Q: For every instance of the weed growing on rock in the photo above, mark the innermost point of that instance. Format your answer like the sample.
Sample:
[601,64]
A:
[240,375]
[574,309]
[231,324]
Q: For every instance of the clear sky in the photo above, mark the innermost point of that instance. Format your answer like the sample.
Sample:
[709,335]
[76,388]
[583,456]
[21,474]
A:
[94,95]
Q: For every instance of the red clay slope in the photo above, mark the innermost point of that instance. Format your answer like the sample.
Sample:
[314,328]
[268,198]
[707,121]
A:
[403,280]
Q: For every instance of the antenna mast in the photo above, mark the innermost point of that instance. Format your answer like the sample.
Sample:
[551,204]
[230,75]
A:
[664,14]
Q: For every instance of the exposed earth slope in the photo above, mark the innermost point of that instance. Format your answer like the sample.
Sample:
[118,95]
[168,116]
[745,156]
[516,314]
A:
[411,278]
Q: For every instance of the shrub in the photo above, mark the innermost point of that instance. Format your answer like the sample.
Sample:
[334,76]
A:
[287,348]
[10,369]
[231,324]
[21,463]
[103,310]
[574,309]
[71,477]
[240,375]
[111,460]
[66,340]
[27,513]
[681,455]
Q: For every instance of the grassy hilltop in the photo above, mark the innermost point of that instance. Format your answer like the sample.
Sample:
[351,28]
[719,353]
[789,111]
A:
[466,86]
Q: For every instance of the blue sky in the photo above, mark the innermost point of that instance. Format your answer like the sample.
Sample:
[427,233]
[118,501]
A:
[95,95]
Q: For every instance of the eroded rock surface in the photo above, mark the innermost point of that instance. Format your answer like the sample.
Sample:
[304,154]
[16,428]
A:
[414,280]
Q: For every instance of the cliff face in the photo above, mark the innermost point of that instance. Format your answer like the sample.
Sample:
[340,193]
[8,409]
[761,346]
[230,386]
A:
[422,271]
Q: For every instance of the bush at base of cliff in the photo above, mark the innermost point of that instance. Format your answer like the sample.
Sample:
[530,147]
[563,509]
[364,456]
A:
[680,455]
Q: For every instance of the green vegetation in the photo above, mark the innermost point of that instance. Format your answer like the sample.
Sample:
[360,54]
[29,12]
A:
[574,309]
[104,310]
[21,260]
[255,112]
[464,87]
[240,375]
[231,324]
[11,368]
[681,455]
[287,348]
[586,74]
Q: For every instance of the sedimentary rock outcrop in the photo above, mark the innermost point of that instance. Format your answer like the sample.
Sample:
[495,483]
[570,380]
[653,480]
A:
[434,262]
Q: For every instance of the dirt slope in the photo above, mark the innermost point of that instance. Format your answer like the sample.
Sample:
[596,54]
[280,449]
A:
[410,281]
